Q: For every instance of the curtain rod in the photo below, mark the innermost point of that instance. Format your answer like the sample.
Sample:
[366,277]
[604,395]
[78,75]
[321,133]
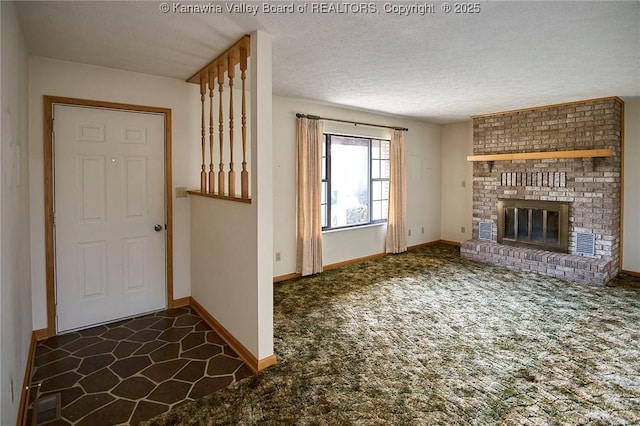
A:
[317,117]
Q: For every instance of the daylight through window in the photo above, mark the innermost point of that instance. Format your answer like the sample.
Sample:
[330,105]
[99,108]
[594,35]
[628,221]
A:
[355,181]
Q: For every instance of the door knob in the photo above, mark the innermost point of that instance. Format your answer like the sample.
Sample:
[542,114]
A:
[157,227]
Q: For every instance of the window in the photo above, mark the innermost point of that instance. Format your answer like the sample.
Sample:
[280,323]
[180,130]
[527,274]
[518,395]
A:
[355,181]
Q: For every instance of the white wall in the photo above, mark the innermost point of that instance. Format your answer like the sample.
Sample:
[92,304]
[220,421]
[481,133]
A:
[15,289]
[631,226]
[58,78]
[232,242]
[457,181]
[423,178]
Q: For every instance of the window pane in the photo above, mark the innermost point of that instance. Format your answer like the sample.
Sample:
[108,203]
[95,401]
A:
[323,193]
[385,169]
[375,169]
[384,149]
[323,215]
[375,149]
[324,159]
[377,190]
[377,210]
[349,181]
[380,210]
[385,190]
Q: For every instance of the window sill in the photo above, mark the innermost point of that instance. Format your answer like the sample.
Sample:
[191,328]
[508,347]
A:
[354,228]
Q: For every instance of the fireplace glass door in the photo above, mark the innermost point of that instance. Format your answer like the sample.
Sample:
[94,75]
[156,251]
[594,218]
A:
[537,223]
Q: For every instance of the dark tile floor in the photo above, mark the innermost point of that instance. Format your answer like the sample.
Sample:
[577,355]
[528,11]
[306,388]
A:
[132,370]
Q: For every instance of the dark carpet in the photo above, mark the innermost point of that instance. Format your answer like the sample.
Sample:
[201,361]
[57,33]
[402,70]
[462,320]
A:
[429,338]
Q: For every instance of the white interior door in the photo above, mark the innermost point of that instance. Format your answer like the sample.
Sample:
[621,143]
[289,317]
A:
[109,215]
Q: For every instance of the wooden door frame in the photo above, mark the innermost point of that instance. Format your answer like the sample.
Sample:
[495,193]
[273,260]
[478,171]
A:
[50,265]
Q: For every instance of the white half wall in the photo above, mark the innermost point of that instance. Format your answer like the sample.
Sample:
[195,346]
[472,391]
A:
[457,181]
[223,262]
[73,80]
[15,270]
[232,242]
[631,225]
[423,180]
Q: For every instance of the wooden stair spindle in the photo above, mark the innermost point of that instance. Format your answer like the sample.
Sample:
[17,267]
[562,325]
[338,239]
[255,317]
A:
[232,173]
[244,175]
[203,174]
[212,174]
[237,55]
[221,129]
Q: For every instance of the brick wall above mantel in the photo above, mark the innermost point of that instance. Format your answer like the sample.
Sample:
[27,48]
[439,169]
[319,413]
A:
[592,186]
[586,124]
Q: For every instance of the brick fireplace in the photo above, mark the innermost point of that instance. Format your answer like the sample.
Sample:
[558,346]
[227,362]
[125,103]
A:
[589,185]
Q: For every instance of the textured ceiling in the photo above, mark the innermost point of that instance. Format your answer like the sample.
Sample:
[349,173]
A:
[438,67]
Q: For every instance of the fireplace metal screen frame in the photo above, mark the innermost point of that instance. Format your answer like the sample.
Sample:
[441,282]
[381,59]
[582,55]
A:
[556,206]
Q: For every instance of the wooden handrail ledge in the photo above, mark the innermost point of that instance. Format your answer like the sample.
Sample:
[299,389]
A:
[220,197]
[583,153]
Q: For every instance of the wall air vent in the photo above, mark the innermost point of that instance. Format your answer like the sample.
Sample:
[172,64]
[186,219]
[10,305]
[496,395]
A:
[486,231]
[585,243]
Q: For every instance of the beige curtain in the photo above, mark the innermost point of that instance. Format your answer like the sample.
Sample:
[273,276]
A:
[309,253]
[396,241]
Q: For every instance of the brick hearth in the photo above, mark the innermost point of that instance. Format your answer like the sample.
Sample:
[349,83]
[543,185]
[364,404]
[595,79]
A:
[592,186]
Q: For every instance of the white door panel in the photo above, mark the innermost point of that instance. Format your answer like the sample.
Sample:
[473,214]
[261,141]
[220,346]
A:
[109,195]
[91,269]
[92,186]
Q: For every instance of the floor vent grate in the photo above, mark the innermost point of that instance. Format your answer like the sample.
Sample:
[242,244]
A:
[46,409]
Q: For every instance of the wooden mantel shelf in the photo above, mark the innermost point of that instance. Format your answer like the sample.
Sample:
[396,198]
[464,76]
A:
[584,153]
